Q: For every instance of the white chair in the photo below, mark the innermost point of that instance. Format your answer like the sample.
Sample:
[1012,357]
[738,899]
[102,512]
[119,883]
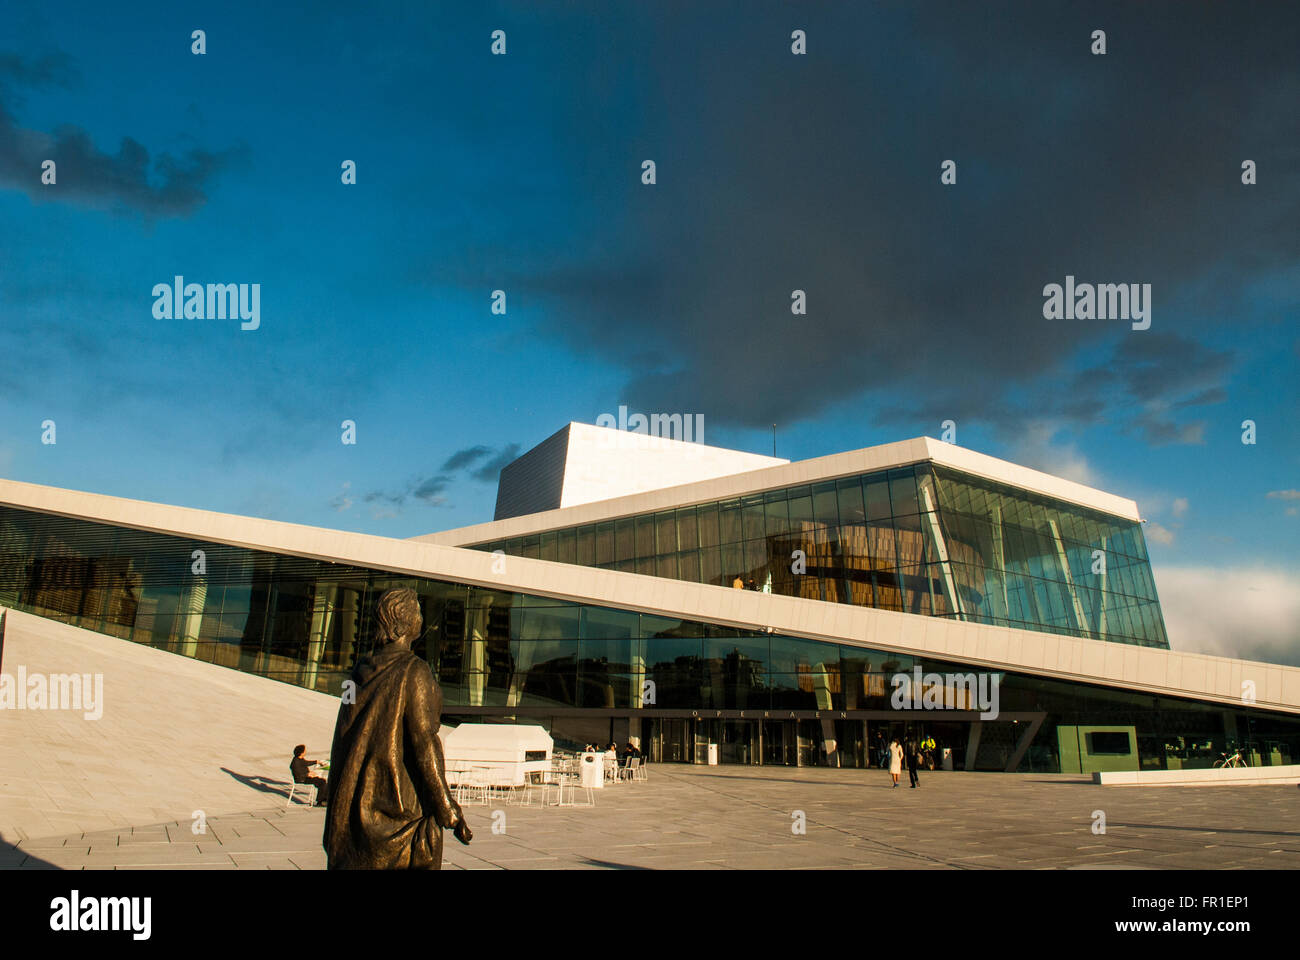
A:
[575,784]
[494,782]
[471,788]
[554,784]
[523,793]
[293,787]
[630,770]
[642,774]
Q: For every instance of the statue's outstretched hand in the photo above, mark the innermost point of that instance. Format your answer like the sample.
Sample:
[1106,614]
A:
[462,831]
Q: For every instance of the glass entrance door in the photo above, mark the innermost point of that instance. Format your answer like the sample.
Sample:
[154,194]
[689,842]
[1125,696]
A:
[778,742]
[670,741]
[739,742]
[812,748]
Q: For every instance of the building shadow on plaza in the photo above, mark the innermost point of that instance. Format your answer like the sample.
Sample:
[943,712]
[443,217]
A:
[14,857]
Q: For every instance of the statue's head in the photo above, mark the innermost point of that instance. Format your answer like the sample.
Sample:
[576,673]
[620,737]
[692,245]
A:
[398,619]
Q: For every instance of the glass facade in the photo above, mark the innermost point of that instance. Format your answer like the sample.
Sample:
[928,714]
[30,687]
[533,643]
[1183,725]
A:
[919,539]
[580,668]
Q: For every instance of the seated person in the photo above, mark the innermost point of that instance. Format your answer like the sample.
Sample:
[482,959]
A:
[301,769]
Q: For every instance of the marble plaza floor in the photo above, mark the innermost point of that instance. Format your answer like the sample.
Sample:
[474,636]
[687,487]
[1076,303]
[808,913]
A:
[741,817]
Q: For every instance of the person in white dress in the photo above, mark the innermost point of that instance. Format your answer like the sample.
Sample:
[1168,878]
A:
[895,760]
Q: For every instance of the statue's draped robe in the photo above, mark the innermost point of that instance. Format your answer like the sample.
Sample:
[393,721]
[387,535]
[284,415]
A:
[389,801]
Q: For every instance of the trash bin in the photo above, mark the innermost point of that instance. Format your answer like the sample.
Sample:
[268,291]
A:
[947,758]
[713,754]
[591,772]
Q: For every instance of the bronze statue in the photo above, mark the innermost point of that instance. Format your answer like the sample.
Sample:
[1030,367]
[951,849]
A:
[389,800]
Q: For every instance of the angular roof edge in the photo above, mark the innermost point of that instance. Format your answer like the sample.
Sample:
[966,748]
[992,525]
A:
[1164,672]
[865,460]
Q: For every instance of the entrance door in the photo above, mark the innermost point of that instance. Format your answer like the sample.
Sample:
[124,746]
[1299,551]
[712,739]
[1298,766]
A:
[812,747]
[948,735]
[739,742]
[778,742]
[669,741]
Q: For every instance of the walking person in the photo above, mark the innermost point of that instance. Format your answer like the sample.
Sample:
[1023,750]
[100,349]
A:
[913,760]
[895,760]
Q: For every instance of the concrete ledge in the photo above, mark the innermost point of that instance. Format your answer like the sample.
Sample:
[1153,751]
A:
[1234,776]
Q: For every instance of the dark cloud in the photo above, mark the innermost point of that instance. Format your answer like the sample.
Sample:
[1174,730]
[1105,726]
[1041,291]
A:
[465,458]
[1147,384]
[821,173]
[490,471]
[48,70]
[1150,380]
[431,490]
[1159,365]
[165,185]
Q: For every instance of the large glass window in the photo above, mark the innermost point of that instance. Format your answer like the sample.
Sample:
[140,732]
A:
[306,622]
[923,539]
[688,531]
[645,536]
[604,543]
[730,521]
[625,539]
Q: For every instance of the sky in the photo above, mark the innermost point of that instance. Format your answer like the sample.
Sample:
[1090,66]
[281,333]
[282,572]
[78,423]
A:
[774,172]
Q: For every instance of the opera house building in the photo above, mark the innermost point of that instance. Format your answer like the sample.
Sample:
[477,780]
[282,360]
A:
[715,606]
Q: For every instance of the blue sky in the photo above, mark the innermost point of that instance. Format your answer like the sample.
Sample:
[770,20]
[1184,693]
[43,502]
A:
[775,172]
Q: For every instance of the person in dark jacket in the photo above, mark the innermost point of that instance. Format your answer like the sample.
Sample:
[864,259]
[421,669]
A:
[300,767]
[910,752]
[390,800]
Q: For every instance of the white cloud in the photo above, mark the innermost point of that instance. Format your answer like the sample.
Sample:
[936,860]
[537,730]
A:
[1286,495]
[343,502]
[1034,448]
[1159,534]
[1180,506]
[1252,613]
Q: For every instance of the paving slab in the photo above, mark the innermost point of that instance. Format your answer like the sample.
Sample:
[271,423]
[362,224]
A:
[723,818]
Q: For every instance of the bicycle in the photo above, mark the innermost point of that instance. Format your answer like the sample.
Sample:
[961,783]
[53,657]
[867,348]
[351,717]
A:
[1224,762]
